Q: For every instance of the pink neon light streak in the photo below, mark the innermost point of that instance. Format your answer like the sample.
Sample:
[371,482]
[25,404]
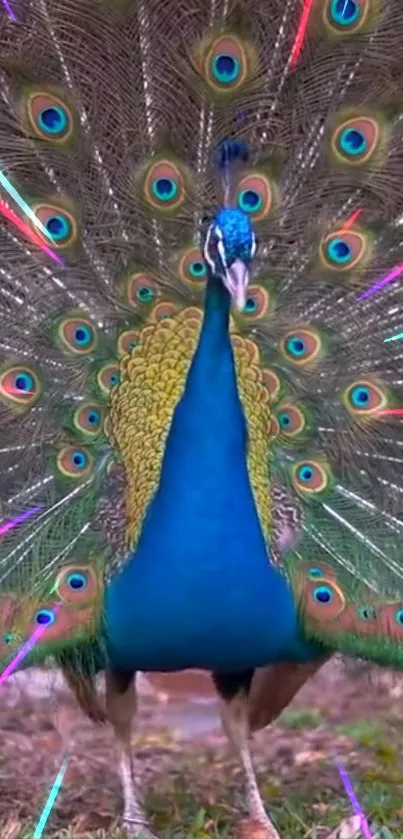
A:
[390,411]
[11,216]
[9,11]
[10,524]
[26,648]
[301,32]
[392,276]
[350,221]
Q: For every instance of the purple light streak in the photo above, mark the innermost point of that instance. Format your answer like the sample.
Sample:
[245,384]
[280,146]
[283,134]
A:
[9,11]
[24,228]
[388,279]
[353,799]
[10,524]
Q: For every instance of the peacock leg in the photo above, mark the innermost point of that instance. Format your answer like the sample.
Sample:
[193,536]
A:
[233,690]
[121,708]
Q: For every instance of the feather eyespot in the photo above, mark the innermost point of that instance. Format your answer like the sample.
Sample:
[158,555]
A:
[88,419]
[315,573]
[142,290]
[226,64]
[77,585]
[310,477]
[343,250]
[346,16]
[8,638]
[108,377]
[20,387]
[271,382]
[391,621]
[193,268]
[291,420]
[75,462]
[44,617]
[61,225]
[255,196]
[77,335]
[257,303]
[367,613]
[364,398]
[128,341]
[49,117]
[164,186]
[356,140]
[322,594]
[301,346]
[323,600]
[162,311]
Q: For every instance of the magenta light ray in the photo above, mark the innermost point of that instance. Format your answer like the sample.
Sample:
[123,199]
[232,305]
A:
[388,279]
[9,11]
[26,648]
[353,799]
[10,524]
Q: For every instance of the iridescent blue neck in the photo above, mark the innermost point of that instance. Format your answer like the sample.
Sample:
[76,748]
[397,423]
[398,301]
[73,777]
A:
[212,378]
[216,309]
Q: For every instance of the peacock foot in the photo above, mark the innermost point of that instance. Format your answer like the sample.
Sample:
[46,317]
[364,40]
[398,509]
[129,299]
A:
[138,829]
[254,829]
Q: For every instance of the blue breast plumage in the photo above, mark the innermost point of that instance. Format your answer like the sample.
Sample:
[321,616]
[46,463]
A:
[200,590]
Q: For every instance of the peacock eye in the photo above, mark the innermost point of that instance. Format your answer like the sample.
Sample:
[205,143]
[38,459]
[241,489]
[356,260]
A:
[44,617]
[145,294]
[249,201]
[344,12]
[197,269]
[164,189]
[250,306]
[77,581]
[323,594]
[59,227]
[338,251]
[53,120]
[352,141]
[226,68]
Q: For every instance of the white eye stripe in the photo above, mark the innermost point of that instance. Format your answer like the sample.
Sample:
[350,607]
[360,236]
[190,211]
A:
[206,254]
[253,246]
[221,251]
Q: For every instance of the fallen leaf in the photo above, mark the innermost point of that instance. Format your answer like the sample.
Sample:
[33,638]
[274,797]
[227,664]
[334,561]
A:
[12,829]
[348,829]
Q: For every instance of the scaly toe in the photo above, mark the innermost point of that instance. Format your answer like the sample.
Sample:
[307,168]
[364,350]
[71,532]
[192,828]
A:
[253,829]
[138,830]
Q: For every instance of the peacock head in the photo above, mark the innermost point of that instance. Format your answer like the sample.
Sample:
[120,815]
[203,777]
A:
[229,248]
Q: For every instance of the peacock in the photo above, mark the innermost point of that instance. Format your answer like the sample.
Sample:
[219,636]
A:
[201,377]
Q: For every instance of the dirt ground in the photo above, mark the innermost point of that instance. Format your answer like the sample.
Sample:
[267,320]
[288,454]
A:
[192,780]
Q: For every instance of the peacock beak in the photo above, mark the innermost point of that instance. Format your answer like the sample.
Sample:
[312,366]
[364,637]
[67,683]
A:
[236,280]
